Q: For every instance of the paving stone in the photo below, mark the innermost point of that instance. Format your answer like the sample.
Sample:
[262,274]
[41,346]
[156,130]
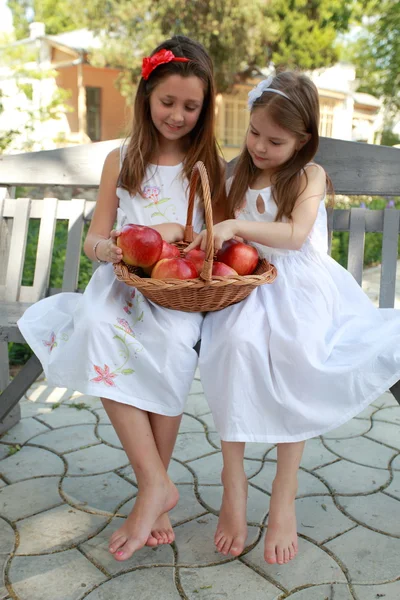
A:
[67,438]
[7,541]
[257,451]
[31,462]
[203,551]
[146,586]
[56,529]
[196,387]
[26,498]
[2,483]
[257,502]
[97,549]
[311,566]
[188,506]
[366,413]
[34,409]
[319,519]
[93,402]
[46,394]
[388,591]
[108,434]
[214,439]
[362,451]
[386,399]
[189,446]
[208,469]
[96,459]
[98,492]
[396,463]
[4,450]
[308,483]
[103,416]
[197,405]
[315,454]
[376,510]
[24,431]
[179,473]
[61,576]
[352,428]
[208,419]
[64,416]
[350,478]
[324,592]
[231,581]
[394,487]
[190,424]
[387,433]
[370,557]
[391,414]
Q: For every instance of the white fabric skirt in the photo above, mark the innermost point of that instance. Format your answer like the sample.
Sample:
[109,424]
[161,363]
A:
[114,343]
[298,357]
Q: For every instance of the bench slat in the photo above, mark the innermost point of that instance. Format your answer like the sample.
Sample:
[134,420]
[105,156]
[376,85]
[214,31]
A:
[355,256]
[45,249]
[389,258]
[75,231]
[17,249]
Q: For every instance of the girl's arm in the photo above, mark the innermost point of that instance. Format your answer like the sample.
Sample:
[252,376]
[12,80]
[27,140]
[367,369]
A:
[291,235]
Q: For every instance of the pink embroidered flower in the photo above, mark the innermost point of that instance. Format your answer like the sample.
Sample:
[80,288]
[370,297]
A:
[152,193]
[51,344]
[126,309]
[104,375]
[133,293]
[125,325]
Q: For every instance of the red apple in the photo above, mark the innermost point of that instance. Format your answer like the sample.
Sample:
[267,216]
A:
[174,268]
[241,257]
[169,251]
[197,257]
[220,269]
[141,246]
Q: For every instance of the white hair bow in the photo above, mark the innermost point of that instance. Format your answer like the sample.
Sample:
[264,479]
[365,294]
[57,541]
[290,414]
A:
[258,90]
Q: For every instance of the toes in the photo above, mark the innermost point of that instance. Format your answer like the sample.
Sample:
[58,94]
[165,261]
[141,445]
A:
[270,556]
[226,546]
[151,541]
[237,547]
[127,550]
[116,543]
[292,552]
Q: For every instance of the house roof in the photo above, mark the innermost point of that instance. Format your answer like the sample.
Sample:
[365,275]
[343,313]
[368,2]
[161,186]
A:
[80,40]
[366,99]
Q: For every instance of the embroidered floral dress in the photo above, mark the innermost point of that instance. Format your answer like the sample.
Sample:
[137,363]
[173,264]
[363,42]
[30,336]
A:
[111,341]
[301,356]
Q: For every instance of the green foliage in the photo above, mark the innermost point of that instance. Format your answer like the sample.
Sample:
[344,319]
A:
[57,15]
[389,138]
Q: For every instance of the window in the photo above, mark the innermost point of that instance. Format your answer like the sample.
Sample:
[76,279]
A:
[236,120]
[326,108]
[93,113]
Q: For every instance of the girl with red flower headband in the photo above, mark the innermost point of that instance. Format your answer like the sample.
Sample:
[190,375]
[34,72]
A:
[108,342]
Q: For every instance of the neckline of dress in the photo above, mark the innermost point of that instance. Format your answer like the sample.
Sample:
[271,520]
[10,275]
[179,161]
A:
[166,166]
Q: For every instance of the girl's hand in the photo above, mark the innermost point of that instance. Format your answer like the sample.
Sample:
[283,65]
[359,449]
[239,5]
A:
[170,232]
[107,250]
[222,232]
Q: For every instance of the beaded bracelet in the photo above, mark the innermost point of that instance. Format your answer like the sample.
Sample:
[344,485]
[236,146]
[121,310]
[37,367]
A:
[94,252]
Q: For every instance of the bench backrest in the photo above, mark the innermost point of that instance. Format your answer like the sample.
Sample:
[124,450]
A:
[355,169]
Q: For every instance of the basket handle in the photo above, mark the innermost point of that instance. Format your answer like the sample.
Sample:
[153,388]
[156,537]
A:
[199,170]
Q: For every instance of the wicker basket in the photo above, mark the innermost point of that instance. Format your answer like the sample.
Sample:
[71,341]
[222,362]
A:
[205,293]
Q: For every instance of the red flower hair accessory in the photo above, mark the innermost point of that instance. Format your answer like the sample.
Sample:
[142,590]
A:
[160,58]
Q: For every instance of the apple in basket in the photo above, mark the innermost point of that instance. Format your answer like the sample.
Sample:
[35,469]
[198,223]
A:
[220,269]
[168,251]
[238,255]
[174,268]
[141,246]
[197,257]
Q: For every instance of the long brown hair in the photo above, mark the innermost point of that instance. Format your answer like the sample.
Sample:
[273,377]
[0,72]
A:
[299,114]
[143,142]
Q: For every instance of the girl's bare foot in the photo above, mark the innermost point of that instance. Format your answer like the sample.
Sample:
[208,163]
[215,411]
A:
[152,502]
[281,544]
[231,534]
[161,532]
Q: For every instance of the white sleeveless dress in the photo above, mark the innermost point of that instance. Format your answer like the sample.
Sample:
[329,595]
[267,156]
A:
[111,341]
[302,355]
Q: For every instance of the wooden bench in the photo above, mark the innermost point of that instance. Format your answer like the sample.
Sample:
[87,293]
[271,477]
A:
[355,169]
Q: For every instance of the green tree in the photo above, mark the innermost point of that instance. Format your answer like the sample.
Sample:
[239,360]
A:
[376,53]
[56,14]
[237,33]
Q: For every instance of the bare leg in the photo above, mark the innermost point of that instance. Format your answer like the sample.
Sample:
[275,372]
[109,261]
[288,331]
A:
[231,534]
[165,431]
[157,494]
[281,538]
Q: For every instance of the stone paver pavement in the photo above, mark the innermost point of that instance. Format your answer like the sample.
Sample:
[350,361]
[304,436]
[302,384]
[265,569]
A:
[66,485]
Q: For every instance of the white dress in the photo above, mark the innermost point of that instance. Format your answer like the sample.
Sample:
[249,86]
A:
[111,341]
[302,355]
